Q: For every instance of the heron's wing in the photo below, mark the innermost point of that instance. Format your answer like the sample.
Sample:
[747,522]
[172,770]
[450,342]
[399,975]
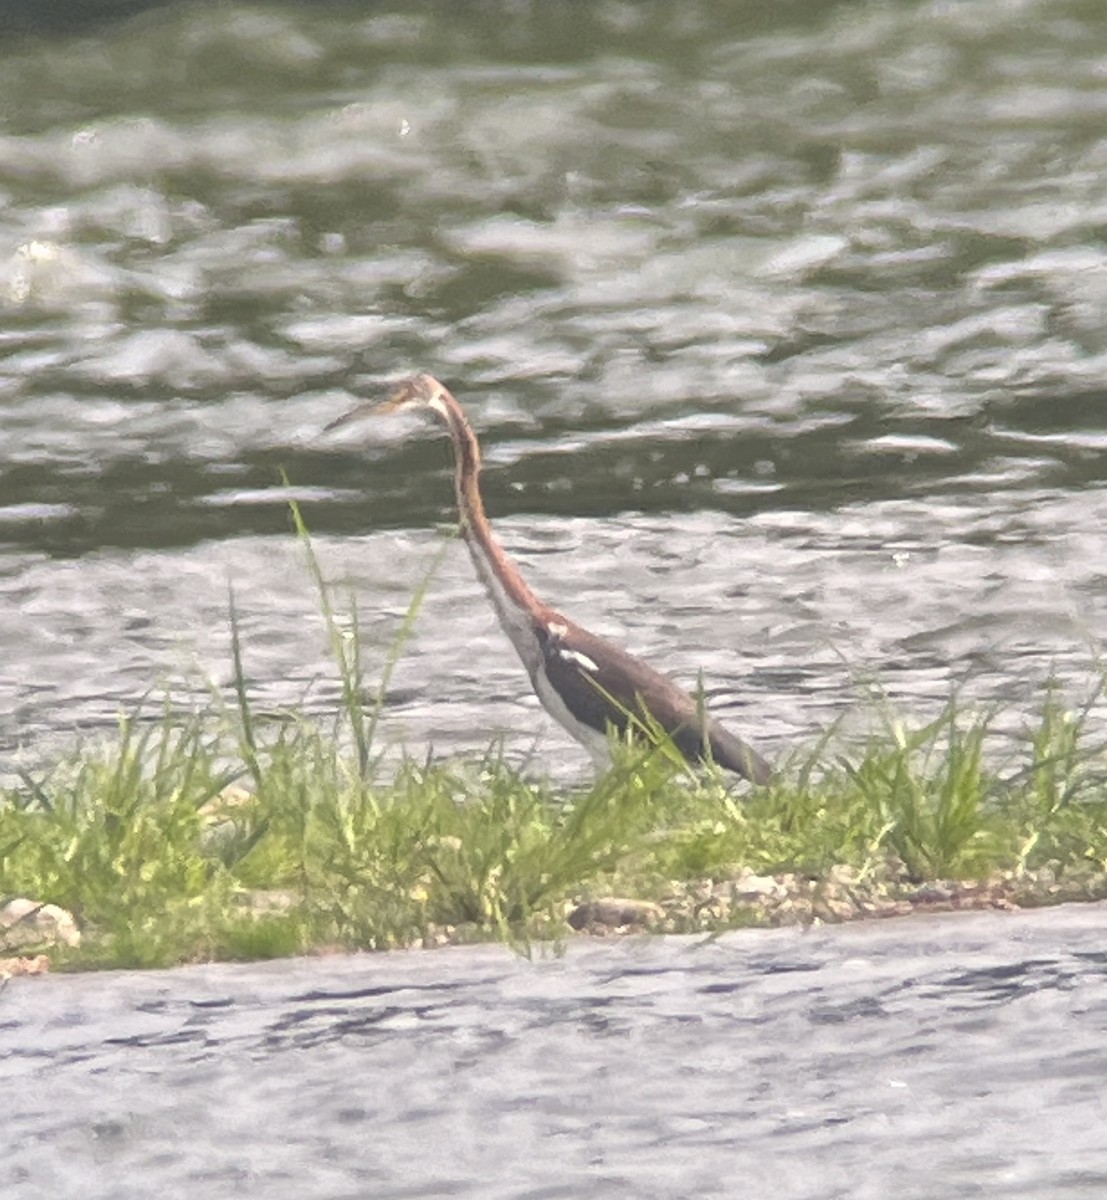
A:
[601,685]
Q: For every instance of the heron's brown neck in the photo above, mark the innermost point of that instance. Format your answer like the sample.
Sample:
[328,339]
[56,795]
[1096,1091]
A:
[497,572]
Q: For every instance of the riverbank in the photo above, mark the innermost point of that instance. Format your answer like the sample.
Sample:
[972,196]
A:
[227,837]
[240,834]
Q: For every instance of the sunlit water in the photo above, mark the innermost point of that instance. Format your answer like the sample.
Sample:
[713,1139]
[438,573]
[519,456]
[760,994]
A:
[927,1058]
[783,330]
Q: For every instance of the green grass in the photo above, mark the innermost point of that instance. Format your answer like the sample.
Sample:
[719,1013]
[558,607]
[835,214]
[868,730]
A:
[228,835]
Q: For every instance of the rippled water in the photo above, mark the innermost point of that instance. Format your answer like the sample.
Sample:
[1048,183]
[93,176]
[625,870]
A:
[931,1059]
[782,326]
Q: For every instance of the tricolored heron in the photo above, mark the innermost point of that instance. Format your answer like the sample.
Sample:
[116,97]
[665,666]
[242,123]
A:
[585,683]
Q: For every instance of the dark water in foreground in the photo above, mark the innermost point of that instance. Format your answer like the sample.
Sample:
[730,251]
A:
[782,326]
[929,1059]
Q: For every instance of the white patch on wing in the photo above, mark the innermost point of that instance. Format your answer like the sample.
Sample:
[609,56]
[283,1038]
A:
[517,625]
[582,660]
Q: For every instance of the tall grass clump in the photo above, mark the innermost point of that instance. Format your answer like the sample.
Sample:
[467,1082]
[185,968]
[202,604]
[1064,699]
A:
[930,789]
[112,834]
[240,834]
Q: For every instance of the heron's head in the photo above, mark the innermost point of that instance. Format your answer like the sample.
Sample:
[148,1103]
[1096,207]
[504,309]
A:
[418,392]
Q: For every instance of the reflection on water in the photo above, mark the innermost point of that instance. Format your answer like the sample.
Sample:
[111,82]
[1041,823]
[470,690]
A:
[782,331]
[935,1058]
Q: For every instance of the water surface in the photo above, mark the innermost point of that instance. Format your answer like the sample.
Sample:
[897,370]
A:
[934,1058]
[782,328]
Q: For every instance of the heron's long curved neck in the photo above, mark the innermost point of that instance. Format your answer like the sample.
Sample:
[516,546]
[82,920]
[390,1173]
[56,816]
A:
[508,590]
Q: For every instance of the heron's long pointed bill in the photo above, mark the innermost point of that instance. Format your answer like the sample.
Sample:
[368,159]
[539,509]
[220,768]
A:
[371,408]
[357,414]
[417,390]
